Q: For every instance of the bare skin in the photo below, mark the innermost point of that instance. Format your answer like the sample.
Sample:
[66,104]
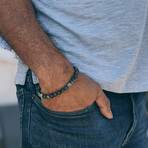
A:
[23,33]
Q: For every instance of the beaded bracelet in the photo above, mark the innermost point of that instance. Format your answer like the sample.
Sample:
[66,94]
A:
[47,96]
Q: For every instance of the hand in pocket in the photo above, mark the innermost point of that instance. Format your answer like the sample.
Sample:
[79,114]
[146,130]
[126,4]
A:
[81,94]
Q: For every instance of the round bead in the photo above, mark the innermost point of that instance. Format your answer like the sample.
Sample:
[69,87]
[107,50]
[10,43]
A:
[73,79]
[62,90]
[69,84]
[43,96]
[75,76]
[58,93]
[54,94]
[51,96]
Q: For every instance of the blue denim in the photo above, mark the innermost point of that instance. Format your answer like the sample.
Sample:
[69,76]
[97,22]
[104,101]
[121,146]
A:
[87,128]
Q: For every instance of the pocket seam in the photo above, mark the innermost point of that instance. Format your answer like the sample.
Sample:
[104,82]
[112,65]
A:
[84,111]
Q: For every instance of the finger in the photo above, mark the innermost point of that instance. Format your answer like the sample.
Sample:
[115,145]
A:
[104,105]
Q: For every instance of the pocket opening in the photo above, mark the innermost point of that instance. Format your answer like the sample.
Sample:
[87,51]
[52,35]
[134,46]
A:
[84,111]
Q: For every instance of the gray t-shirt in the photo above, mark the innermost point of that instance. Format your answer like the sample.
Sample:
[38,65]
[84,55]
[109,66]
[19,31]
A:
[106,39]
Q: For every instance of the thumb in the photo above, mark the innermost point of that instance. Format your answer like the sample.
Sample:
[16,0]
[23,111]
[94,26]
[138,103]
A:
[104,104]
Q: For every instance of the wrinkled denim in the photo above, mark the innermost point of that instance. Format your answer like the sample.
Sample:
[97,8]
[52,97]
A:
[87,128]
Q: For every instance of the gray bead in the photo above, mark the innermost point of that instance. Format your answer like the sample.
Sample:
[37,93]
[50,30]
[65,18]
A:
[51,96]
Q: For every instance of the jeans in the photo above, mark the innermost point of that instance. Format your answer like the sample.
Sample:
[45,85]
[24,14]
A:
[87,128]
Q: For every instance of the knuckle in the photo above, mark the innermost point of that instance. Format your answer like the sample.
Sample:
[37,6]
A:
[107,103]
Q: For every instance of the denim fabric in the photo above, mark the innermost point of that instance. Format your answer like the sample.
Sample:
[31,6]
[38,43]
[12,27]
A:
[87,128]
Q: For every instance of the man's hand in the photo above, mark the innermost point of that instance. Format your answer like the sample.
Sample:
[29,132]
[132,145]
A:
[81,94]
[24,34]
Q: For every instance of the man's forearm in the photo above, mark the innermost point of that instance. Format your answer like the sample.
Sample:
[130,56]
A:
[19,27]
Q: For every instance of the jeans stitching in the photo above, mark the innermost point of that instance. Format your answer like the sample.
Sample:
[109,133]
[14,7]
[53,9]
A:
[20,93]
[29,118]
[131,131]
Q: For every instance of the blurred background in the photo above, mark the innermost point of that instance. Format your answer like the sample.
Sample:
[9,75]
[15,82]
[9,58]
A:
[9,113]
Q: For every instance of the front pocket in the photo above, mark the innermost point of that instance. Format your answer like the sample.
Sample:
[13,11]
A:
[86,110]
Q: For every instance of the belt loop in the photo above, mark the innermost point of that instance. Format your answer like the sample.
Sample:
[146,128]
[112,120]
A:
[27,79]
[28,76]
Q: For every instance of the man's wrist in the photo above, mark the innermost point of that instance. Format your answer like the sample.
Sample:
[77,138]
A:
[54,94]
[55,77]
